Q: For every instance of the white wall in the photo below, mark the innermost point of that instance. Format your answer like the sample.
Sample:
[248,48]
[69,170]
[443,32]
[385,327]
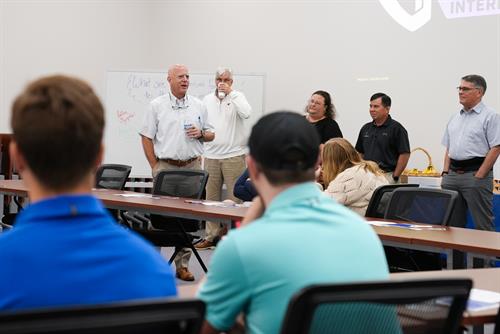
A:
[349,48]
[83,38]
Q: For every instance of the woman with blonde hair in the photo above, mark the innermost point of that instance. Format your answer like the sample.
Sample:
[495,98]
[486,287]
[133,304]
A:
[350,180]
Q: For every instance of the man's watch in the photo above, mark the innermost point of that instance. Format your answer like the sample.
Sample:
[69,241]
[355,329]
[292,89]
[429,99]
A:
[395,178]
[445,172]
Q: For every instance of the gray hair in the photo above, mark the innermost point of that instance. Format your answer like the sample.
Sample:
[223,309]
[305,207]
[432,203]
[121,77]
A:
[221,70]
[477,80]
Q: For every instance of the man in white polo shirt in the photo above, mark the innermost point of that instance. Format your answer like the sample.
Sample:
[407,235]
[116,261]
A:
[173,131]
[225,156]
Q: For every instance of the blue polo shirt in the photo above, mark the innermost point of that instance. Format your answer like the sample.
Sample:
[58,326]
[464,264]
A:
[67,250]
[303,238]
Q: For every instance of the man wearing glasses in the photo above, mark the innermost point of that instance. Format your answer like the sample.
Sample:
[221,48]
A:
[472,141]
[173,131]
[227,111]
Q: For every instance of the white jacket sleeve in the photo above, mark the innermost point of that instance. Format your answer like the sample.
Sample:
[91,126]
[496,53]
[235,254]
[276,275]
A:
[241,104]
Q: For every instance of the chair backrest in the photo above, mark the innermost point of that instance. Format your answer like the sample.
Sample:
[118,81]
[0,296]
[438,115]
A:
[422,205]
[154,316]
[112,176]
[381,197]
[497,323]
[407,307]
[179,183]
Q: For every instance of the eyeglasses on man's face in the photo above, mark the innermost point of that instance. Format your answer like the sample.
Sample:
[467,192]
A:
[466,89]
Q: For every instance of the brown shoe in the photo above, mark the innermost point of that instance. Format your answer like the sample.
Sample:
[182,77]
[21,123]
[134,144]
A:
[223,231]
[205,244]
[184,274]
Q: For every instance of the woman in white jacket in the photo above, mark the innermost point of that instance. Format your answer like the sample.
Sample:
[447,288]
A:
[350,179]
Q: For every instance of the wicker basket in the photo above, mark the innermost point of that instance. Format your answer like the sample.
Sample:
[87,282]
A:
[429,171]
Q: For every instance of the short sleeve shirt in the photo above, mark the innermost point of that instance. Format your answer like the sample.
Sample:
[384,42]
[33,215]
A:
[383,144]
[327,129]
[67,250]
[473,133]
[256,269]
[165,122]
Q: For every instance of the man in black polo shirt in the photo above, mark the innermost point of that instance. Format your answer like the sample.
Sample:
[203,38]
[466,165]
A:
[384,140]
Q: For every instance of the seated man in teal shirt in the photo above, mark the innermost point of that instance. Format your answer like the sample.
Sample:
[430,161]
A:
[293,236]
[65,249]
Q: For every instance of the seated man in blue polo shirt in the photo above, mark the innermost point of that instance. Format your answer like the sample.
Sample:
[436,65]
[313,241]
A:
[65,249]
[294,235]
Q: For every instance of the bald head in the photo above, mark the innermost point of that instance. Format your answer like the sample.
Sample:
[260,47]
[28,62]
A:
[178,78]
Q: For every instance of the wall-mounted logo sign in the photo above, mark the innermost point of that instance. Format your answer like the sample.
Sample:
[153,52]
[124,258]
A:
[413,21]
[452,9]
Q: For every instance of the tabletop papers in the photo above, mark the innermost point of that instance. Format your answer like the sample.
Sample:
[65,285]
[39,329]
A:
[409,226]
[218,204]
[139,195]
[479,300]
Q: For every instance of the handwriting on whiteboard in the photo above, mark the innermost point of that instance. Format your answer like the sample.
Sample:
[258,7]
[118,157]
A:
[124,116]
[144,88]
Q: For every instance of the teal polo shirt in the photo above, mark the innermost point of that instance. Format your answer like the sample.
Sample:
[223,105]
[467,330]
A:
[303,238]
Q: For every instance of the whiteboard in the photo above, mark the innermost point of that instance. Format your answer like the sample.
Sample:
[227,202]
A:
[128,94]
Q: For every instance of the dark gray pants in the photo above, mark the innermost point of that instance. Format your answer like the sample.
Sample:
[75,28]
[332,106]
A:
[475,194]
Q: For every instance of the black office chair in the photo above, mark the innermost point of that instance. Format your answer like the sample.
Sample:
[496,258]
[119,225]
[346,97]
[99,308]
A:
[421,205]
[153,316]
[381,197]
[9,218]
[407,307]
[112,176]
[173,231]
[497,322]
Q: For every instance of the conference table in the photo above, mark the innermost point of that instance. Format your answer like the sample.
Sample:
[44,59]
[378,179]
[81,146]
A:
[475,243]
[485,279]
[128,200]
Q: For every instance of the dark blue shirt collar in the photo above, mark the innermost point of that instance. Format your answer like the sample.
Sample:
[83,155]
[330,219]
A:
[61,206]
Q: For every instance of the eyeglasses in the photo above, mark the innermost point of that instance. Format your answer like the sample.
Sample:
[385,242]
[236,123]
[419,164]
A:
[466,89]
[316,103]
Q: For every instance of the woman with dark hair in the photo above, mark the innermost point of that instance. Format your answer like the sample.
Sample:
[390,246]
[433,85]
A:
[320,112]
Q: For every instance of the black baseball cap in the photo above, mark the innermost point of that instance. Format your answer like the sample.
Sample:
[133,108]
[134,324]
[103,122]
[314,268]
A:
[284,140]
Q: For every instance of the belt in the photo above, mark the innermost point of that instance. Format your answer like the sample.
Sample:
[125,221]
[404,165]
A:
[469,165]
[179,163]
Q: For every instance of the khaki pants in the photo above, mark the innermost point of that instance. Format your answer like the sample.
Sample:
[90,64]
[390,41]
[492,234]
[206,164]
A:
[222,171]
[182,258]
[388,176]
